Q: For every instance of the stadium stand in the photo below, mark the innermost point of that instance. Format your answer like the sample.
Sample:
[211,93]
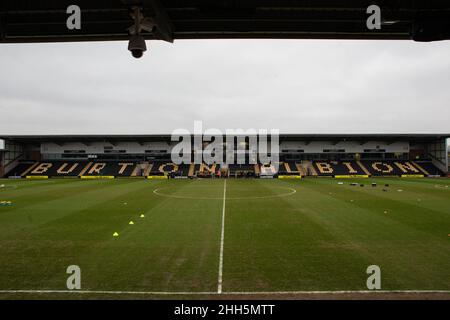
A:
[114,169]
[373,168]
[284,169]
[160,168]
[427,168]
[207,171]
[391,168]
[241,170]
[55,168]
[289,168]
[257,170]
[309,168]
[21,169]
[334,168]
[300,155]
[142,169]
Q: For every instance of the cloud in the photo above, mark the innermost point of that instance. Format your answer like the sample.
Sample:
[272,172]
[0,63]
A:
[297,86]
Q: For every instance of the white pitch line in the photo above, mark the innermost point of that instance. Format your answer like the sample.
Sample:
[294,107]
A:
[222,236]
[290,193]
[225,293]
[333,292]
[108,292]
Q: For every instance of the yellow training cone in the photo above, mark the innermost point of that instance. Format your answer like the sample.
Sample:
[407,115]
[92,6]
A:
[131,222]
[142,216]
[115,234]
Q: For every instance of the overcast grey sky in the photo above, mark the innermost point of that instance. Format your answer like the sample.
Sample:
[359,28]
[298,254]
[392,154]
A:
[296,86]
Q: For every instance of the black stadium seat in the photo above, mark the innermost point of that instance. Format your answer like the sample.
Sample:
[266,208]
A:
[374,168]
[158,168]
[336,168]
[391,168]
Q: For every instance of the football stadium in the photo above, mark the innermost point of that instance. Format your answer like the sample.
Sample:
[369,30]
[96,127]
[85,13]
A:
[101,197]
[140,226]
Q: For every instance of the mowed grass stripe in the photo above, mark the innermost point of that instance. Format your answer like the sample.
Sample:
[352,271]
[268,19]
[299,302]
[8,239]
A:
[357,230]
[57,190]
[58,229]
[427,193]
[38,189]
[402,207]
[31,210]
[173,248]
[412,242]
[286,247]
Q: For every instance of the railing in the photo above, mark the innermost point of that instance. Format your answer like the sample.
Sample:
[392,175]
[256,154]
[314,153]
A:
[11,164]
[436,159]
[438,163]
[11,161]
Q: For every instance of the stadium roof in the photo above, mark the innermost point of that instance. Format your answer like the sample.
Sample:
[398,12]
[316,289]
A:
[45,20]
[284,137]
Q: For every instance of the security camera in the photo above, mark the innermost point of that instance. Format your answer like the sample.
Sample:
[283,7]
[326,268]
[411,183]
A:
[137,42]
[137,46]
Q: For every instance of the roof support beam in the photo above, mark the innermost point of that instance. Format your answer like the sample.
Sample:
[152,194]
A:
[2,23]
[164,27]
[162,21]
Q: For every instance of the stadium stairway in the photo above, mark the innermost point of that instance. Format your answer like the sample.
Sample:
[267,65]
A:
[418,166]
[191,170]
[21,169]
[309,168]
[142,169]
[287,167]
[363,168]
[428,168]
[300,169]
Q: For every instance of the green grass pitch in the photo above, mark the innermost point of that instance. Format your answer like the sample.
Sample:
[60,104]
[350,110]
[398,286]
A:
[279,235]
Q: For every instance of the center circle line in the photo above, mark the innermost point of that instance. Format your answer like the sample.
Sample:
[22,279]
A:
[290,193]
